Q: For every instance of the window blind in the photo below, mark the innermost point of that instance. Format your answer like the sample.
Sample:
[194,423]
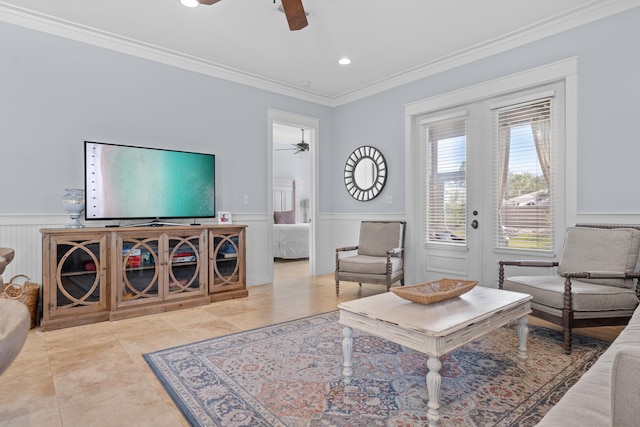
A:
[446,198]
[523,133]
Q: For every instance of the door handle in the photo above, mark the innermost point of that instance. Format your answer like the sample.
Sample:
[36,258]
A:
[474,223]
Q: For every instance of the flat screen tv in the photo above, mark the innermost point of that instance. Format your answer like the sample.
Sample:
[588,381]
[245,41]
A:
[125,182]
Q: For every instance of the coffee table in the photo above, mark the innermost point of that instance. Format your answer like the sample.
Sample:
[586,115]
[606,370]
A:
[434,329]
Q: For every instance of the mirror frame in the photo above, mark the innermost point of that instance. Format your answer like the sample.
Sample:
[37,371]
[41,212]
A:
[359,154]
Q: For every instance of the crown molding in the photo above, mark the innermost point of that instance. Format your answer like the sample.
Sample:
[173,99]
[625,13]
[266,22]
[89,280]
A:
[592,11]
[92,36]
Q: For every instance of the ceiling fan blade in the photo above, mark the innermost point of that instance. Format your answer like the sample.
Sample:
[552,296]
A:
[209,2]
[296,16]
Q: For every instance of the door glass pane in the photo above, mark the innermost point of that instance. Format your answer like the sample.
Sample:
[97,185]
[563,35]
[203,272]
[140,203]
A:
[524,176]
[446,160]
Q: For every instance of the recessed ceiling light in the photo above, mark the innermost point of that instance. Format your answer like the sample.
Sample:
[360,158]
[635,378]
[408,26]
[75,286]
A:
[190,3]
[305,83]
[344,61]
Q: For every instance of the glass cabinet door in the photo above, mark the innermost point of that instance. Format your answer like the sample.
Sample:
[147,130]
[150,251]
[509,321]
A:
[78,274]
[159,267]
[185,272]
[226,260]
[138,276]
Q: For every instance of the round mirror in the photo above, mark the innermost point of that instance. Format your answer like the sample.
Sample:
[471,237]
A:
[365,173]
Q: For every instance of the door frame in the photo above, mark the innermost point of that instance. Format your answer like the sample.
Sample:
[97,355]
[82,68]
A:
[565,70]
[313,124]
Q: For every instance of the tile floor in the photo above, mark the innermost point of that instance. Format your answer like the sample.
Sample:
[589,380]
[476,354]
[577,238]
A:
[94,375]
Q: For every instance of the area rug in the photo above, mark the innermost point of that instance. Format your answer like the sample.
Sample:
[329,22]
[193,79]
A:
[289,374]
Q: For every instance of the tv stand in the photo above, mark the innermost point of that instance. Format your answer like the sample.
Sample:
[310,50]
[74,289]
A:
[98,274]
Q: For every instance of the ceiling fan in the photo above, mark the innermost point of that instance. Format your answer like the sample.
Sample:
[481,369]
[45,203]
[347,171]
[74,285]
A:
[293,9]
[299,147]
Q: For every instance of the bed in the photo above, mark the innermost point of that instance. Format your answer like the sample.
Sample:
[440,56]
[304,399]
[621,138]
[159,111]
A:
[290,235]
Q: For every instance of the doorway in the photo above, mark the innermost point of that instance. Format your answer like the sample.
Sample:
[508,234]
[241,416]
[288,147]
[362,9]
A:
[292,186]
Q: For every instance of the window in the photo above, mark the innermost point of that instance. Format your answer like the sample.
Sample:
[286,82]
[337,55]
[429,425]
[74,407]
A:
[524,181]
[446,186]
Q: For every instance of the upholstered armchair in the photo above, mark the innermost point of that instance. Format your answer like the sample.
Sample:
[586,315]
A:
[379,257]
[595,282]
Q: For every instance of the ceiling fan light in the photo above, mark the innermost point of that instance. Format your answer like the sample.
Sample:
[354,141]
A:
[190,3]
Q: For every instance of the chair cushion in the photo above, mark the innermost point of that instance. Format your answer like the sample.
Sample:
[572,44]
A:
[587,297]
[597,249]
[364,264]
[376,238]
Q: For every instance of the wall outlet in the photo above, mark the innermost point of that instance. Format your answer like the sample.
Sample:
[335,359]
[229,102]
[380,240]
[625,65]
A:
[245,199]
[388,200]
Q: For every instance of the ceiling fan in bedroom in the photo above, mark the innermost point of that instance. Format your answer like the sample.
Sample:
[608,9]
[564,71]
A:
[299,147]
[293,9]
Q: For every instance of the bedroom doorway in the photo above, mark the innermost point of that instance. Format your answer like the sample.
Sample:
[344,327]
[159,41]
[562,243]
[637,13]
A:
[292,147]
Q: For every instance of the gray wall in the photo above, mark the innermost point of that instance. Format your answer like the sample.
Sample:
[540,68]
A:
[56,93]
[608,96]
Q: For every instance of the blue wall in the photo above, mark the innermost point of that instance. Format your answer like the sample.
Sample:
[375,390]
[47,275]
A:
[608,96]
[57,92]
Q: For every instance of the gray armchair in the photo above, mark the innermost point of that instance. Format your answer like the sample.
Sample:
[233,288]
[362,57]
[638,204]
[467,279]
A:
[595,282]
[379,258]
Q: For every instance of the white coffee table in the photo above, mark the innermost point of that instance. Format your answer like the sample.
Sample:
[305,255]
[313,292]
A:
[434,329]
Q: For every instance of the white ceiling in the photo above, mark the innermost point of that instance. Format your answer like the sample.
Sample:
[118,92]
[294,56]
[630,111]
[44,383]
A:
[390,42]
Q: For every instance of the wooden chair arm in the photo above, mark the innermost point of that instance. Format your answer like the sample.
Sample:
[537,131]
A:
[596,275]
[600,275]
[346,248]
[522,263]
[530,263]
[395,251]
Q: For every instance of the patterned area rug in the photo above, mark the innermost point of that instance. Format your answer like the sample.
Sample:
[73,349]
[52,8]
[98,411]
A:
[289,374]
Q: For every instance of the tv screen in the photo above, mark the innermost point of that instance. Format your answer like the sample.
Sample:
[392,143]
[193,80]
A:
[127,182]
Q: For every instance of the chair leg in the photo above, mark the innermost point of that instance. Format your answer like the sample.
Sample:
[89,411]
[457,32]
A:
[337,287]
[402,282]
[567,340]
[567,315]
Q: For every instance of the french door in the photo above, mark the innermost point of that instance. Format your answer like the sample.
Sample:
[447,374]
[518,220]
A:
[490,182]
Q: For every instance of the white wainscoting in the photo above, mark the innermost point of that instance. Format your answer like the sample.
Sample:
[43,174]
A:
[22,233]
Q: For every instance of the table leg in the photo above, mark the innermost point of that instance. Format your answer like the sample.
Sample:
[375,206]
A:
[433,387]
[523,331]
[347,349]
